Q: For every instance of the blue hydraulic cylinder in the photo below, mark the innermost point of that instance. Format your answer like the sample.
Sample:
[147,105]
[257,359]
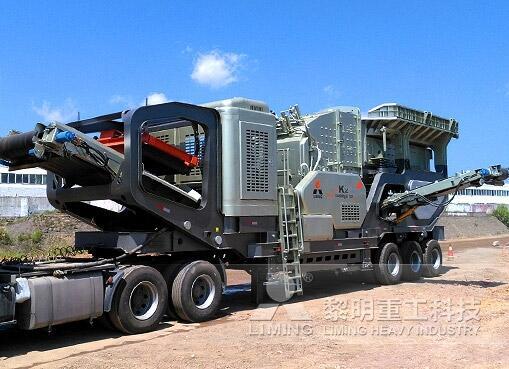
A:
[484,172]
[64,136]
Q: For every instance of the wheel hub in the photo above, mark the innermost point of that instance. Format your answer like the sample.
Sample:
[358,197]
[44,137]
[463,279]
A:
[415,262]
[393,264]
[436,260]
[203,291]
[144,300]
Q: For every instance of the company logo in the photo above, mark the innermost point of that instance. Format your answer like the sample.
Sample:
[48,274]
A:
[343,192]
[342,189]
[317,191]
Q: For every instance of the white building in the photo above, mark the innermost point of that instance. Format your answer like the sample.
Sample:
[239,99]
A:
[475,200]
[23,192]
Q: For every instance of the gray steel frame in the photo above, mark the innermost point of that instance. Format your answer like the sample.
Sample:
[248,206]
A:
[147,211]
[192,229]
[206,220]
[374,225]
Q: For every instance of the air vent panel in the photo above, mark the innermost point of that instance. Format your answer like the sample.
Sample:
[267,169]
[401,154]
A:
[257,151]
[350,213]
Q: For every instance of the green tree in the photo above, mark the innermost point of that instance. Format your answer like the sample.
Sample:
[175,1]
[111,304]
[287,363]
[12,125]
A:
[502,214]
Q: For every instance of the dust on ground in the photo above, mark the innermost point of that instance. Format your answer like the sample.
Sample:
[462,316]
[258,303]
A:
[456,320]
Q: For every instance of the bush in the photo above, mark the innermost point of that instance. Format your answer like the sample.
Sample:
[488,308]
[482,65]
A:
[23,237]
[32,238]
[36,236]
[502,214]
[5,239]
[11,254]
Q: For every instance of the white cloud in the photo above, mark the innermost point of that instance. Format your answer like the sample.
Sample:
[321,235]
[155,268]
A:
[216,69]
[328,89]
[155,98]
[187,50]
[62,114]
[331,91]
[120,99]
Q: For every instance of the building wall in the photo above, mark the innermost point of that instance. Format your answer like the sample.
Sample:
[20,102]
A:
[23,206]
[478,200]
[23,192]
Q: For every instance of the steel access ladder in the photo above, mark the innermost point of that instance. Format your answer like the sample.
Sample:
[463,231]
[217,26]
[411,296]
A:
[288,272]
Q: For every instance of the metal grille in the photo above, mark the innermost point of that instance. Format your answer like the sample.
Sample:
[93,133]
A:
[257,161]
[256,108]
[189,146]
[350,213]
[163,137]
[185,141]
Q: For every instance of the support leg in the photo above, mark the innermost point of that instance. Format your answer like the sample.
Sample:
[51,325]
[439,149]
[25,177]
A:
[258,277]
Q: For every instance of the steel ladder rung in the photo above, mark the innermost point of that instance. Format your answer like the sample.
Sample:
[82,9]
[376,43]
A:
[294,277]
[291,235]
[290,238]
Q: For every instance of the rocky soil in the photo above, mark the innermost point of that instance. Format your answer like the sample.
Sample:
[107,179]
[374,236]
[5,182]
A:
[456,320]
[468,227]
[38,235]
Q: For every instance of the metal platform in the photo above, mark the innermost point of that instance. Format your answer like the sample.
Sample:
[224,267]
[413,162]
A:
[426,126]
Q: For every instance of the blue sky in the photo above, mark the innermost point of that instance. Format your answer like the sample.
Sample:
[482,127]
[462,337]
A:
[448,57]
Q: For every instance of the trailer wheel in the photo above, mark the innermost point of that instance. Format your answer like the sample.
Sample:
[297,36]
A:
[389,269]
[140,300]
[412,260]
[197,291]
[432,259]
[169,274]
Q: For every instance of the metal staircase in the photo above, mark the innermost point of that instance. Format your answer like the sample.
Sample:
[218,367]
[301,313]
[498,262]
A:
[286,270]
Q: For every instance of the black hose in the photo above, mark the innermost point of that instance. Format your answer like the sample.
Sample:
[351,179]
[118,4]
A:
[16,146]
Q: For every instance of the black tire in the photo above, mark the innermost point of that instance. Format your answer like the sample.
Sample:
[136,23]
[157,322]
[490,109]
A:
[140,300]
[411,254]
[388,269]
[169,273]
[197,291]
[432,259]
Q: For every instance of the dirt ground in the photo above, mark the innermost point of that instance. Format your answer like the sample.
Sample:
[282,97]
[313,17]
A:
[456,320]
